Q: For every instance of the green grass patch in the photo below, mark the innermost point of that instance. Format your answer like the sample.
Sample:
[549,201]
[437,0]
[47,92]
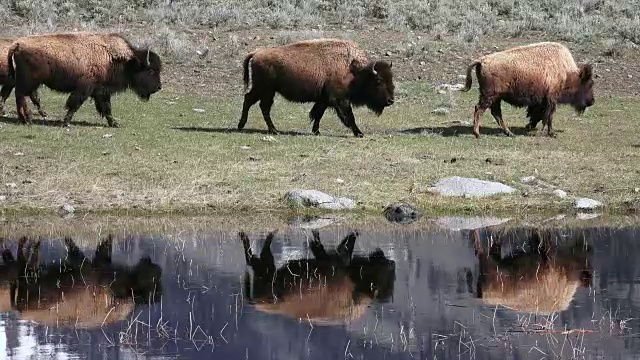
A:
[166,157]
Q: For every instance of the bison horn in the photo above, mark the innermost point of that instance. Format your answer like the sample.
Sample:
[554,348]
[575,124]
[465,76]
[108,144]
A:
[390,64]
[148,53]
[373,69]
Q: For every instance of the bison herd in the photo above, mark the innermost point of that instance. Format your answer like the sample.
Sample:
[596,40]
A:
[329,73]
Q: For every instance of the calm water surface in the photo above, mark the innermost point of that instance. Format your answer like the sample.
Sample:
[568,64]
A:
[338,292]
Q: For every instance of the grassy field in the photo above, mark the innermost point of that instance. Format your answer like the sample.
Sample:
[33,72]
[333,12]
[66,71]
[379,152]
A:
[168,157]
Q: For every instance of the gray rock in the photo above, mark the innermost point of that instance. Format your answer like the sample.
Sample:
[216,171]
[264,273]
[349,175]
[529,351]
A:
[560,193]
[402,213]
[67,209]
[450,87]
[2,198]
[468,223]
[527,179]
[440,111]
[318,199]
[459,186]
[586,204]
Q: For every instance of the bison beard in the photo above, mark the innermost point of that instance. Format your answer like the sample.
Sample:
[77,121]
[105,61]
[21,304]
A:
[330,73]
[85,65]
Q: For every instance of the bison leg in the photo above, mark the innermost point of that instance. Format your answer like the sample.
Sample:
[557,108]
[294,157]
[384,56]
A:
[250,99]
[22,109]
[346,116]
[266,256]
[548,118]
[103,253]
[316,113]
[317,249]
[479,110]
[35,99]
[496,111]
[534,113]
[75,255]
[265,105]
[103,107]
[74,102]
[5,92]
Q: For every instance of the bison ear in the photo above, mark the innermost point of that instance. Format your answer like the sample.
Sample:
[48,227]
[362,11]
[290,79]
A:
[586,72]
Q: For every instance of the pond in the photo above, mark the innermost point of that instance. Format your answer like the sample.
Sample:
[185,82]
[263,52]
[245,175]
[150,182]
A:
[450,289]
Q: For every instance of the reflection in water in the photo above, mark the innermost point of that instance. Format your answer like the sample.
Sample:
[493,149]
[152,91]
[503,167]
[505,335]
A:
[541,278]
[76,291]
[334,286]
[386,292]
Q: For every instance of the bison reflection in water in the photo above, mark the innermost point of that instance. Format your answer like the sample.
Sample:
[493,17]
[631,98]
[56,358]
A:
[541,280]
[77,291]
[334,286]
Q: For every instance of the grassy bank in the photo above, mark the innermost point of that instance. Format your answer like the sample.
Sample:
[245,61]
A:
[167,157]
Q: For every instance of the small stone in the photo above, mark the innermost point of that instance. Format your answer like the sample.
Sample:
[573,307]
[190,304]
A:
[636,190]
[440,111]
[198,110]
[107,136]
[105,153]
[527,179]
[137,148]
[560,193]
[268,138]
[28,181]
[630,76]
[402,213]
[245,147]
[442,92]
[388,53]
[11,185]
[317,199]
[19,154]
[586,204]
[2,198]
[339,181]
[67,208]
[423,63]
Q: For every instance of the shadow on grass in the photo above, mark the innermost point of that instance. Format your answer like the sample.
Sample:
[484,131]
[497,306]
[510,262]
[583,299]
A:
[52,123]
[637,146]
[457,130]
[247,131]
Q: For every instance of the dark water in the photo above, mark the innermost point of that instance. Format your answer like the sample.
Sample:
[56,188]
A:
[401,294]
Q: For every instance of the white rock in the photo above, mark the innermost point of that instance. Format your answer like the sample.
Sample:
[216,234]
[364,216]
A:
[198,110]
[339,181]
[440,111]
[470,187]
[636,190]
[560,193]
[106,136]
[585,216]
[3,198]
[527,179]
[586,204]
[67,208]
[11,185]
[19,154]
[318,199]
[268,138]
[450,87]
[245,147]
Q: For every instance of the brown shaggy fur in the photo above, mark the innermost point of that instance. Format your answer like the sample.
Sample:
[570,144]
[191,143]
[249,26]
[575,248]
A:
[538,76]
[8,83]
[79,292]
[328,72]
[84,64]
[333,287]
[541,280]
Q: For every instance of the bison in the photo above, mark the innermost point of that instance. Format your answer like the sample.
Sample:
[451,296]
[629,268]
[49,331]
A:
[334,286]
[539,76]
[541,280]
[8,83]
[328,72]
[85,65]
[77,292]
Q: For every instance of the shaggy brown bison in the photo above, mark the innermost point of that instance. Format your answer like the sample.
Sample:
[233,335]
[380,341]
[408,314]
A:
[84,64]
[540,280]
[77,292]
[334,286]
[538,76]
[328,72]
[8,83]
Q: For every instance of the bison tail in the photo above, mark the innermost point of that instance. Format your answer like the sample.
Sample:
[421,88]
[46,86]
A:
[245,70]
[11,67]
[469,80]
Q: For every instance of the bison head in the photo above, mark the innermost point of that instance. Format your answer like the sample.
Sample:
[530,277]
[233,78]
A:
[583,89]
[374,276]
[373,86]
[144,72]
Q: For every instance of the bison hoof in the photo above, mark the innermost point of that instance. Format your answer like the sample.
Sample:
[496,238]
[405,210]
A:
[358,135]
[274,132]
[316,133]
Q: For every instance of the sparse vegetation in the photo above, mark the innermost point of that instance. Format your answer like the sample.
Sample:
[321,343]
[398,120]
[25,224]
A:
[466,20]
